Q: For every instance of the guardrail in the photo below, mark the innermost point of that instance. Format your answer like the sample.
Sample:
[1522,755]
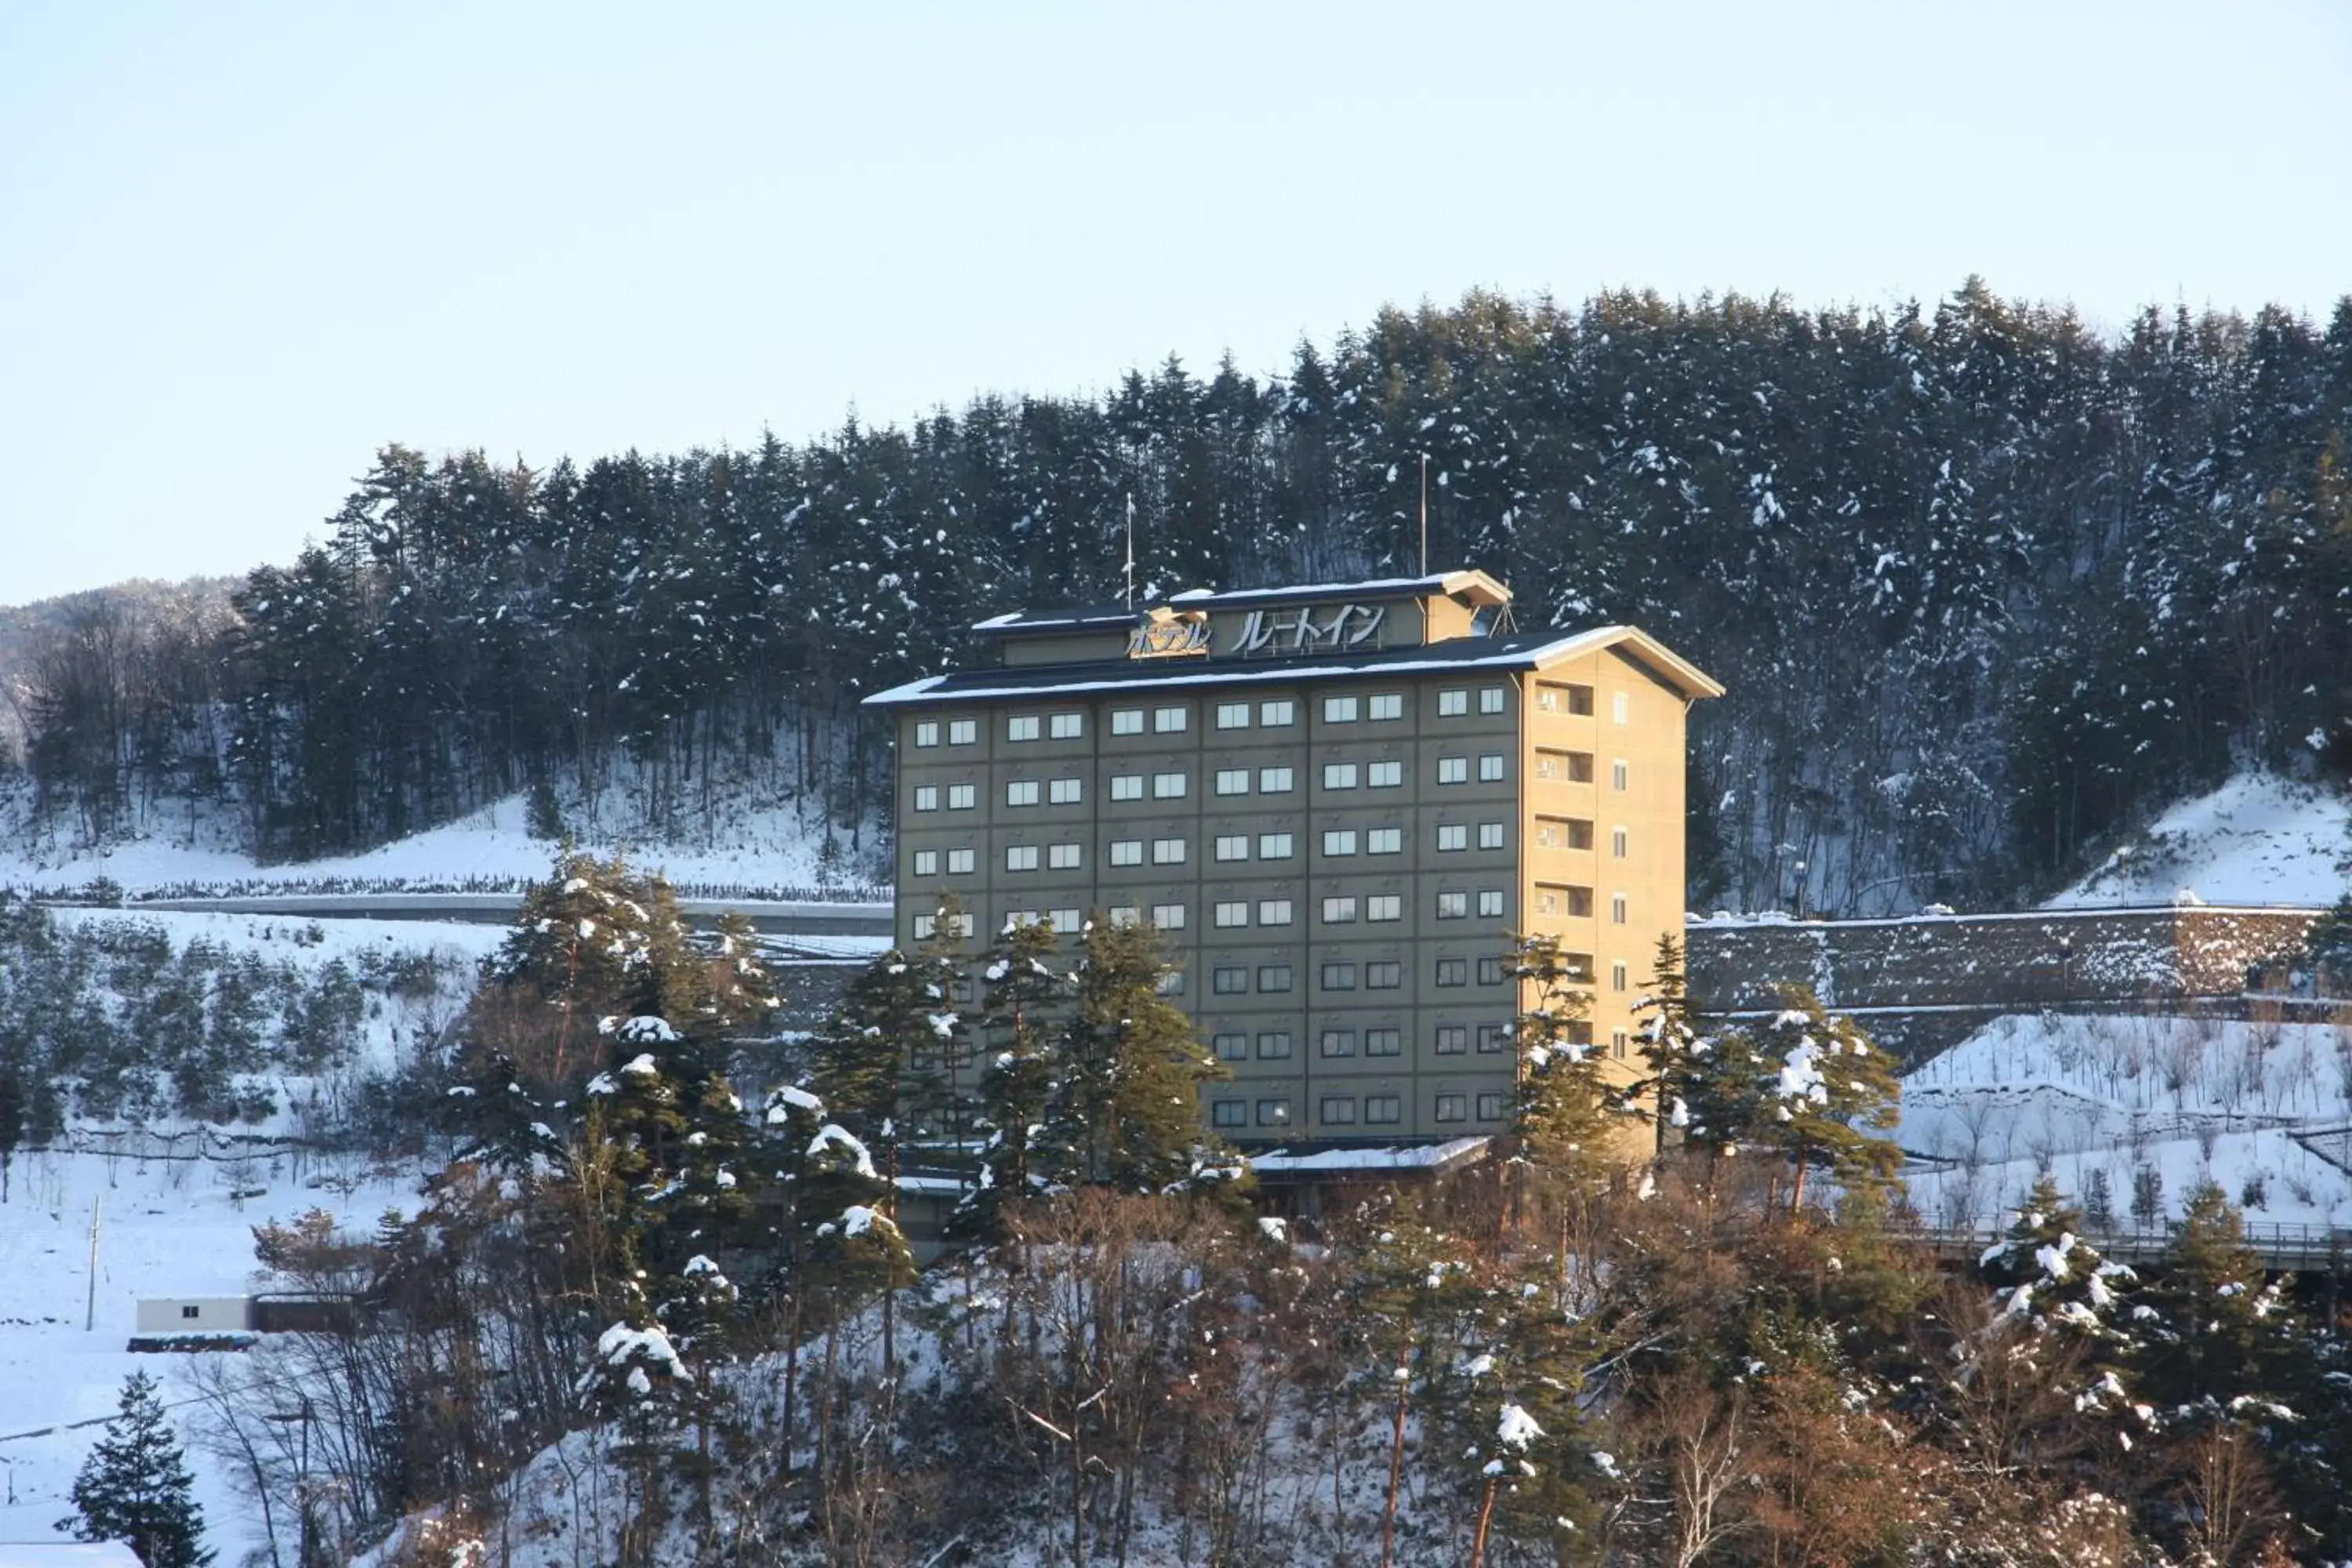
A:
[2283,1247]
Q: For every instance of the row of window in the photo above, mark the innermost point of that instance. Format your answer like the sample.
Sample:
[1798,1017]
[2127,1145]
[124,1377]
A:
[1339,843]
[1341,1109]
[1338,909]
[1272,713]
[1175,784]
[1380,974]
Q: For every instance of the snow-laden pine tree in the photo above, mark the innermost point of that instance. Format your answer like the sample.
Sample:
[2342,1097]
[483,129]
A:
[136,1486]
[1022,986]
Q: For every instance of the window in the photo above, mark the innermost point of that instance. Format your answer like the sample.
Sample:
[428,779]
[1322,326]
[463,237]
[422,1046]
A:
[1338,1042]
[1127,851]
[1021,727]
[1066,792]
[1167,916]
[1579,700]
[1384,775]
[1452,770]
[1066,726]
[1277,712]
[1274,1045]
[926,862]
[1168,852]
[927,733]
[1273,781]
[1453,971]
[962,797]
[1618,1042]
[1559,900]
[1063,921]
[1338,775]
[1274,1114]
[1621,842]
[1453,835]
[1385,975]
[1490,700]
[963,862]
[1228,1113]
[1617,977]
[1339,977]
[1494,1039]
[1385,906]
[1453,704]
[1453,906]
[1492,972]
[1490,903]
[1273,846]
[1618,911]
[1577,966]
[1233,847]
[1338,710]
[964,731]
[1490,836]
[1338,1110]
[1491,1107]
[1230,1047]
[962,988]
[1125,915]
[1384,841]
[927,797]
[1563,833]
[1231,981]
[1548,699]
[1020,792]
[1452,1039]
[1621,778]
[1015,919]
[1384,1108]
[1273,911]
[1339,841]
[1064,857]
[1274,979]
[1565,767]
[1169,721]
[1126,786]
[1233,715]
[1340,911]
[198,1311]
[1021,858]
[1231,914]
[1490,767]
[1233,781]
[1167,786]
[1620,708]
[1127,722]
[1452,1107]
[925,925]
[1387,705]
[1384,1042]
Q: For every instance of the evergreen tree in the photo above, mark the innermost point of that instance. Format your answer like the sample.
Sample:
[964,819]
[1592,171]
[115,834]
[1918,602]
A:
[1567,1110]
[1825,1090]
[1125,1109]
[1017,1072]
[1671,1045]
[136,1486]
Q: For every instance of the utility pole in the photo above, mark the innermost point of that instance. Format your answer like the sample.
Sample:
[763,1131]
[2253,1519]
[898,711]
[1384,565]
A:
[89,1311]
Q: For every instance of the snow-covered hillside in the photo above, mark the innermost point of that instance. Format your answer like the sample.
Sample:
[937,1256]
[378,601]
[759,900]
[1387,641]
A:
[2096,1099]
[2258,840]
[759,849]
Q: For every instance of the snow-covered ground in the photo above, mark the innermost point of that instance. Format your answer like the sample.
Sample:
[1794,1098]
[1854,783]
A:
[754,848]
[2258,840]
[2192,1099]
[169,1227]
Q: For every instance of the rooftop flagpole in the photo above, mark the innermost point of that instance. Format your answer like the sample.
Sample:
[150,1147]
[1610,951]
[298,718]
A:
[1424,514]
[1130,550]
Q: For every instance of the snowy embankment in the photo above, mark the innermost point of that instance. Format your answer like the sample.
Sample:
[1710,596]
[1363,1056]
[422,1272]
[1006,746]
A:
[2099,1101]
[2258,840]
[758,854]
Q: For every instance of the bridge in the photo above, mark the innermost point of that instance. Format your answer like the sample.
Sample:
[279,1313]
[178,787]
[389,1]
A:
[2284,1248]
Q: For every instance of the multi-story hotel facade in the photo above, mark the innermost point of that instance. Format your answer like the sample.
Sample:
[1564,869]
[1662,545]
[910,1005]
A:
[1338,803]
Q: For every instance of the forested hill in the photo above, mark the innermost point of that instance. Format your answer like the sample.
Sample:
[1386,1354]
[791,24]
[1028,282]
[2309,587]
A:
[1985,581]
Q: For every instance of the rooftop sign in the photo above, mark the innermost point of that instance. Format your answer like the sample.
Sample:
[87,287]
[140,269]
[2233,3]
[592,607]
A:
[1298,631]
[1174,637]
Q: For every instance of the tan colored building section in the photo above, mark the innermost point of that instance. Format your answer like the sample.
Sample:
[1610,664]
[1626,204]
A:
[1339,863]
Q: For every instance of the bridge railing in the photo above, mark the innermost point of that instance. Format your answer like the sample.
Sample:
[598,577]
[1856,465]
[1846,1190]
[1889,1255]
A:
[2282,1246]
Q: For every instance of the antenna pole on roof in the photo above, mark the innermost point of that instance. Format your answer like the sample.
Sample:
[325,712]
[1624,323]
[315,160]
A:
[1424,514]
[1130,550]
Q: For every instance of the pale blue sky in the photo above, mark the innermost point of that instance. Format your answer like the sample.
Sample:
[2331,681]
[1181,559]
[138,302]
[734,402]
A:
[242,246]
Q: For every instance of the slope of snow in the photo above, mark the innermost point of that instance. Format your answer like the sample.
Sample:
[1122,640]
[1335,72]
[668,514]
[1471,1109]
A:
[2258,840]
[2191,1099]
[491,849]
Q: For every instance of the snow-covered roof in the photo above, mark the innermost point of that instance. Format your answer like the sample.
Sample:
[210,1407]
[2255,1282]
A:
[1424,1158]
[1529,650]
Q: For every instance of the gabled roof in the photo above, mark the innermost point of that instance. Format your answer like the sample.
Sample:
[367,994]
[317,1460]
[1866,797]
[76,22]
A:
[1475,586]
[1524,650]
